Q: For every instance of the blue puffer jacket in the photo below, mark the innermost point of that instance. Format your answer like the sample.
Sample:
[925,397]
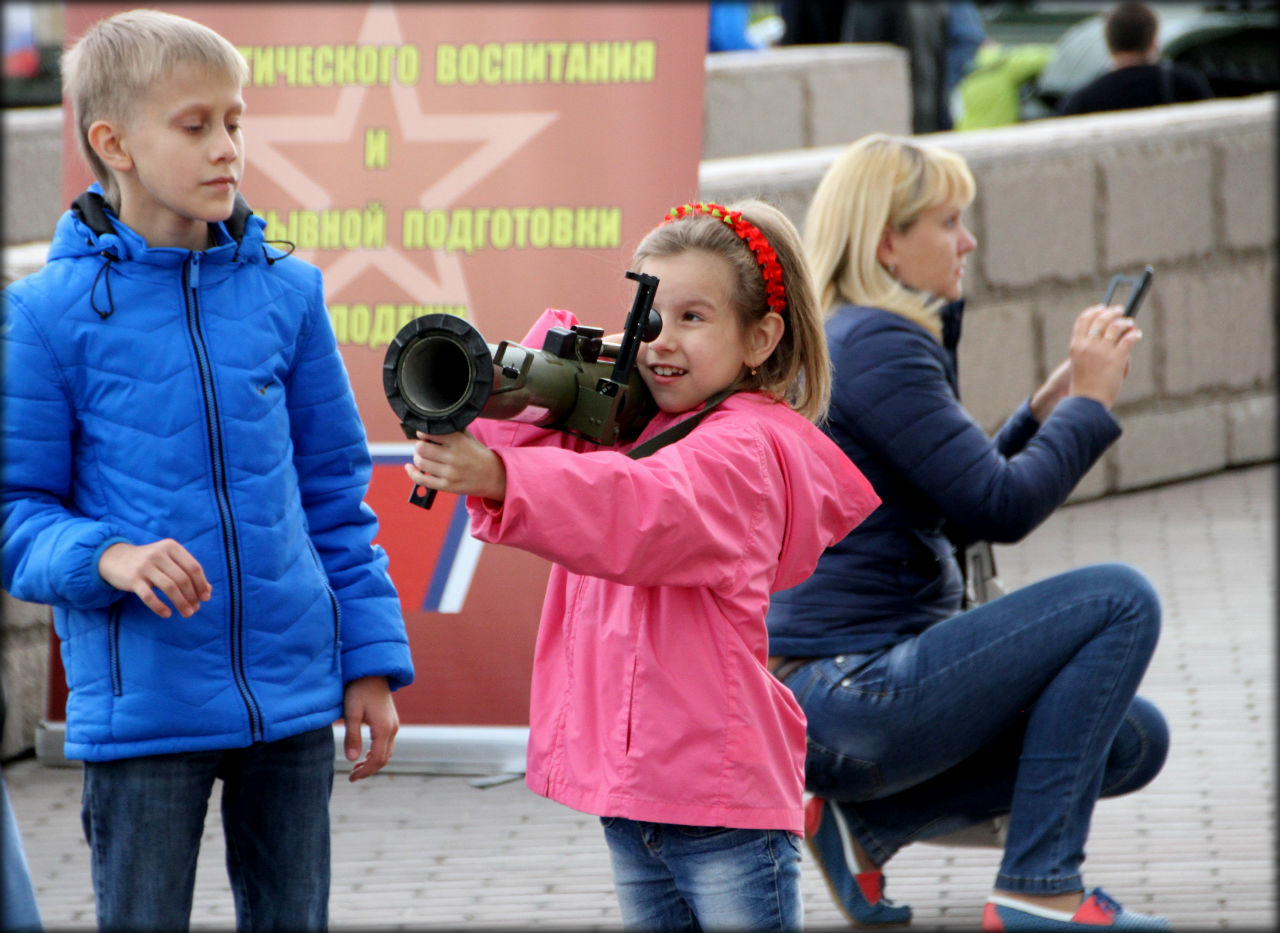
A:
[162,393]
[896,412]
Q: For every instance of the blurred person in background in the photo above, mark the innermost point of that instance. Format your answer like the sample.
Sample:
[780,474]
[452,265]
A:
[966,34]
[920,27]
[1138,77]
[727,23]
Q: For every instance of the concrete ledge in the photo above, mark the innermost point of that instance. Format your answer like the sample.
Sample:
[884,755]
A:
[464,750]
[24,654]
[31,142]
[23,260]
[1177,443]
[796,97]
[1251,430]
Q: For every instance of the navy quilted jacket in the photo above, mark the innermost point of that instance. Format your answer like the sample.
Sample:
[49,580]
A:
[160,393]
[896,412]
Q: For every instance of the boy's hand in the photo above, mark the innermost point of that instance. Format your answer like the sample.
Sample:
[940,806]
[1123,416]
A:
[458,463]
[166,565]
[367,700]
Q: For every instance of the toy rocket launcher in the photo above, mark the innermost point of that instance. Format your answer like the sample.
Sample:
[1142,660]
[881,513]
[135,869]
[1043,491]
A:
[440,375]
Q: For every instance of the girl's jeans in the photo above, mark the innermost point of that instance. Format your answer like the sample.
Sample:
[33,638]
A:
[671,877]
[143,819]
[1025,705]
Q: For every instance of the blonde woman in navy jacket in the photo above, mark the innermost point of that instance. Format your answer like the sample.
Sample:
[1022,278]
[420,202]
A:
[924,719]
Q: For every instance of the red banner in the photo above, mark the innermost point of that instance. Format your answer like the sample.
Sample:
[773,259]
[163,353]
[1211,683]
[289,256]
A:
[485,160]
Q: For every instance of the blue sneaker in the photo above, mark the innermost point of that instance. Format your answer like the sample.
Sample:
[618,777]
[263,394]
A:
[860,897]
[1098,910]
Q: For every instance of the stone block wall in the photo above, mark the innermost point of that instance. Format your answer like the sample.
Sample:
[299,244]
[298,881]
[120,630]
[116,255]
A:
[1062,205]
[31,143]
[798,97]
[24,647]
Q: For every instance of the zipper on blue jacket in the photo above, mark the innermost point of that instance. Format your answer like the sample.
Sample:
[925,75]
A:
[230,543]
[113,634]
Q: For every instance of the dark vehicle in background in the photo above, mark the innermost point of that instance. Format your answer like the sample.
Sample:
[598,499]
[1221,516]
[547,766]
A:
[1234,45]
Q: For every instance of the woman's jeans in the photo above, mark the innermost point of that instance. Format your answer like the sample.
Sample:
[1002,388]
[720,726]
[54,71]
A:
[1025,705]
[671,877]
[143,819]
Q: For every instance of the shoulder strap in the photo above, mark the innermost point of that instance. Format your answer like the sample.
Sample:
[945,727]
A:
[678,431]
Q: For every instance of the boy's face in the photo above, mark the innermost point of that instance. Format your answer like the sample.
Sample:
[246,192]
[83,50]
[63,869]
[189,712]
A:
[181,158]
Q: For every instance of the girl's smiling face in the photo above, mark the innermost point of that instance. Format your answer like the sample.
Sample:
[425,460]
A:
[702,348]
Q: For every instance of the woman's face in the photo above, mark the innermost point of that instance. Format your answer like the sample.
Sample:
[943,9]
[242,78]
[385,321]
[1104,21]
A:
[930,254]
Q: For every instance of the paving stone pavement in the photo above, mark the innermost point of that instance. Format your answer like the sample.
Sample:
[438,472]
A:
[434,852]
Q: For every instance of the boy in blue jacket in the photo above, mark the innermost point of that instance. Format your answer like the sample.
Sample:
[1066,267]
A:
[184,473]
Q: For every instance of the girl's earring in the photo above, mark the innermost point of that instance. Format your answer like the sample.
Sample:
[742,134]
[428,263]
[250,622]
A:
[893,271]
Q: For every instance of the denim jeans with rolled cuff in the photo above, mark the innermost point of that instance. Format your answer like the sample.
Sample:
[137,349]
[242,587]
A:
[673,877]
[143,819]
[1023,706]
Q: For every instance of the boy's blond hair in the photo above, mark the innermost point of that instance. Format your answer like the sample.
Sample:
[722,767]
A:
[879,182]
[118,60]
[798,371]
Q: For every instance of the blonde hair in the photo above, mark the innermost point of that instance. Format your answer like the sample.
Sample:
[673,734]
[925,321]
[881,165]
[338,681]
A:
[798,371]
[880,182]
[120,59]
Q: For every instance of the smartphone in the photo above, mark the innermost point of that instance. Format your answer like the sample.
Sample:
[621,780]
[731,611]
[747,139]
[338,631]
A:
[1131,288]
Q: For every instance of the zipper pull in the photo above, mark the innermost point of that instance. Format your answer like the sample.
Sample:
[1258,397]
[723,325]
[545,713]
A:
[194,277]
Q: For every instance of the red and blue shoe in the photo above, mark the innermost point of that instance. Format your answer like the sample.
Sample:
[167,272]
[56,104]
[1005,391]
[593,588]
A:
[860,897]
[1098,910]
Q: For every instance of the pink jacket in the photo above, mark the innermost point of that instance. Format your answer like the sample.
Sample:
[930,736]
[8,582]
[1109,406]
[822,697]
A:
[650,697]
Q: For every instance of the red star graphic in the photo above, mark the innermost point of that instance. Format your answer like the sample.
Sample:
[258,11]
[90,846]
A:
[499,135]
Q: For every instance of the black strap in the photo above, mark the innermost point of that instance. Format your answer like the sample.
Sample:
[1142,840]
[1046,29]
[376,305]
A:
[788,666]
[677,431]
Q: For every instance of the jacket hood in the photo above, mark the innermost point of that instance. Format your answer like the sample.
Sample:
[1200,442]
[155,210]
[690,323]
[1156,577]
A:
[90,227]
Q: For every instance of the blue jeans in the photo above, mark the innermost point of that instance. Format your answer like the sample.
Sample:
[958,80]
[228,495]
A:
[1024,706]
[671,877]
[143,819]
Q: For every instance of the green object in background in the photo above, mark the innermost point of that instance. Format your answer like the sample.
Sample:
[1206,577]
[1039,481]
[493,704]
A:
[991,94]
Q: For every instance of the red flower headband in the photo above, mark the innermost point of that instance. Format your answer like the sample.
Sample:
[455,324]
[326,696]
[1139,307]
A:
[751,235]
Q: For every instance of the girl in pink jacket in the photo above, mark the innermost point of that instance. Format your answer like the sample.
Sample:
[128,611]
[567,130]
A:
[651,704]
